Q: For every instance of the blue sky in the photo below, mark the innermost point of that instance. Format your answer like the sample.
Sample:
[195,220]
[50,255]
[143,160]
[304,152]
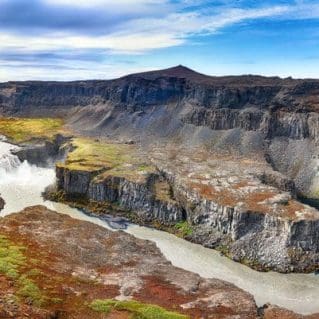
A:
[89,39]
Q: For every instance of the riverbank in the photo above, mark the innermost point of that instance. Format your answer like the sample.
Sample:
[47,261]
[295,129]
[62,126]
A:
[119,267]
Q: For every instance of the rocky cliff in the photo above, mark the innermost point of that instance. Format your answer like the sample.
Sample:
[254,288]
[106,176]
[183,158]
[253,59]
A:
[224,206]
[139,196]
[274,117]
[1,203]
[259,136]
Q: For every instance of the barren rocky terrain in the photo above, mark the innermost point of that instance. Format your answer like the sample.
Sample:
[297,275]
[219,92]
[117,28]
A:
[63,265]
[77,262]
[230,157]
[226,162]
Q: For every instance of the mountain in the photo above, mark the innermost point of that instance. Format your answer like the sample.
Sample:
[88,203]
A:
[229,155]
[247,115]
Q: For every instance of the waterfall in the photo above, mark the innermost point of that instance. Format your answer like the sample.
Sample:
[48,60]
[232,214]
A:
[21,183]
[8,161]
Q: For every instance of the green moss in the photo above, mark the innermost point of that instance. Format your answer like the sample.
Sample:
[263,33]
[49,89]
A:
[100,306]
[144,167]
[119,160]
[34,273]
[137,309]
[90,154]
[25,129]
[11,258]
[56,300]
[30,291]
[183,229]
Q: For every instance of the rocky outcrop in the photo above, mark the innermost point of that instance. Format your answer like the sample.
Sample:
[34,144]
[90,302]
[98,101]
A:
[44,153]
[274,312]
[270,123]
[78,262]
[75,182]
[130,195]
[2,202]
[260,240]
[278,180]
[138,197]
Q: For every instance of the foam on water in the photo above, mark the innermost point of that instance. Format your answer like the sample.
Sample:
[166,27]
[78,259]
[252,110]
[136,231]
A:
[21,185]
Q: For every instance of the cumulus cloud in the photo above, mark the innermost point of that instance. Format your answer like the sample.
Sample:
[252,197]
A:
[58,31]
[38,27]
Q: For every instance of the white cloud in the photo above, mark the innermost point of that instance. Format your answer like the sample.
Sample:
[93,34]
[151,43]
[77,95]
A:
[171,28]
[109,4]
[61,72]
[121,43]
[143,34]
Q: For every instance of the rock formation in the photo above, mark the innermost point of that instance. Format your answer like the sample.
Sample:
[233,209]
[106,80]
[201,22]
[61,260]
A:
[260,140]
[274,117]
[77,262]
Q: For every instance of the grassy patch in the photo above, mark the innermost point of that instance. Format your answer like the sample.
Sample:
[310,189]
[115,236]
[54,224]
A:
[12,259]
[117,159]
[183,229]
[138,310]
[25,129]
[90,154]
[30,291]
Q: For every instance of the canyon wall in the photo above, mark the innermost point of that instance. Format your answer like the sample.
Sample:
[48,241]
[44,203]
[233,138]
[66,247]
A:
[260,240]
[271,121]
[181,104]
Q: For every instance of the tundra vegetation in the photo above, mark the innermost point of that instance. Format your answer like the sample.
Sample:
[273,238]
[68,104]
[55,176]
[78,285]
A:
[137,309]
[22,130]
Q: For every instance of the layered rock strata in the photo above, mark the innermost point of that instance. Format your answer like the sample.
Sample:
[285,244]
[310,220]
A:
[275,117]
[226,205]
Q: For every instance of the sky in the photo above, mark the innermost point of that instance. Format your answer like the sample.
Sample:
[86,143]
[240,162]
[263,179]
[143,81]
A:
[103,39]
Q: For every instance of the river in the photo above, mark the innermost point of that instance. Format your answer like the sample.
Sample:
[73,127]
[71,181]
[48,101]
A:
[21,185]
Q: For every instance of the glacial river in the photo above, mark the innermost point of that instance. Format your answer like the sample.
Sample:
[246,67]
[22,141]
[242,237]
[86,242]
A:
[21,185]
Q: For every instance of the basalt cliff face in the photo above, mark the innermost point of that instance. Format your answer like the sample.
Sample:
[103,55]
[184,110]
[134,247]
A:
[274,117]
[234,153]
[220,205]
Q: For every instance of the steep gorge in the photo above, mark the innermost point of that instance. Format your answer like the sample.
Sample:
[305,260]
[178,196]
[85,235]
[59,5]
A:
[260,137]
[274,117]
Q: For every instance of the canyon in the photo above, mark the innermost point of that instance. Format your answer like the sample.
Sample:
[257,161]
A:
[225,162]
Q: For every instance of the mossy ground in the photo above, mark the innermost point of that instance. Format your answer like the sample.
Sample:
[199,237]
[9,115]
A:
[137,309]
[116,159]
[183,229]
[22,130]
[12,263]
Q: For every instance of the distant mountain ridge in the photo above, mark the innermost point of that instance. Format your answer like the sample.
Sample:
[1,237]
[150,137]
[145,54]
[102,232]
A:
[248,114]
[162,86]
